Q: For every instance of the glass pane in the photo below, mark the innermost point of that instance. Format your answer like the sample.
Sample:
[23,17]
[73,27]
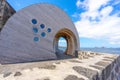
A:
[36,39]
[35,30]
[34,21]
[49,30]
[42,26]
[43,34]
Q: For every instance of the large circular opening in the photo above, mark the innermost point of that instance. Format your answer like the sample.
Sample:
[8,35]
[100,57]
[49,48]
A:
[65,43]
[62,45]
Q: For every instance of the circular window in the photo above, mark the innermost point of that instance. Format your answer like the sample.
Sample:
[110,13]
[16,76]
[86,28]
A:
[49,30]
[34,21]
[42,26]
[35,30]
[36,39]
[43,34]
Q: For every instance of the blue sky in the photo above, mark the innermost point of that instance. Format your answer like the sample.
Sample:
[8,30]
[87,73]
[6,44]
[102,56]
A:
[97,21]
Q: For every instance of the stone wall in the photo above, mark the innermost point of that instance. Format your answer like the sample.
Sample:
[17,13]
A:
[115,70]
[109,67]
[5,12]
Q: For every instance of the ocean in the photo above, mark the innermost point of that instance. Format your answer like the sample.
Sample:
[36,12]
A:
[102,50]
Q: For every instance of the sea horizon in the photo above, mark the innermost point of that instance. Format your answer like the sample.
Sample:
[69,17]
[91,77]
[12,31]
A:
[98,49]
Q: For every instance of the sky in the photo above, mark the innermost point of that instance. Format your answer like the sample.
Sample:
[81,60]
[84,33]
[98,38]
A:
[97,21]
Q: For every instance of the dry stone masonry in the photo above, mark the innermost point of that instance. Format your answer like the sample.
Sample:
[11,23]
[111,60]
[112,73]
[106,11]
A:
[6,11]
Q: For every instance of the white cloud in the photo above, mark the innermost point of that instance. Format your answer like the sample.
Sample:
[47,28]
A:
[62,41]
[106,11]
[107,27]
[80,4]
[95,4]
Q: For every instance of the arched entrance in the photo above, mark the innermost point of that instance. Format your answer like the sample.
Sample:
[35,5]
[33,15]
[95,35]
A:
[71,41]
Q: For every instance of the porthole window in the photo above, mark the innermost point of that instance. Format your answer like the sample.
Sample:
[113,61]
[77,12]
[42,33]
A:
[34,21]
[36,39]
[49,30]
[42,26]
[35,30]
[43,34]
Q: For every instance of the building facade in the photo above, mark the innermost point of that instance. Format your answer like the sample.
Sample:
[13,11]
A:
[5,12]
